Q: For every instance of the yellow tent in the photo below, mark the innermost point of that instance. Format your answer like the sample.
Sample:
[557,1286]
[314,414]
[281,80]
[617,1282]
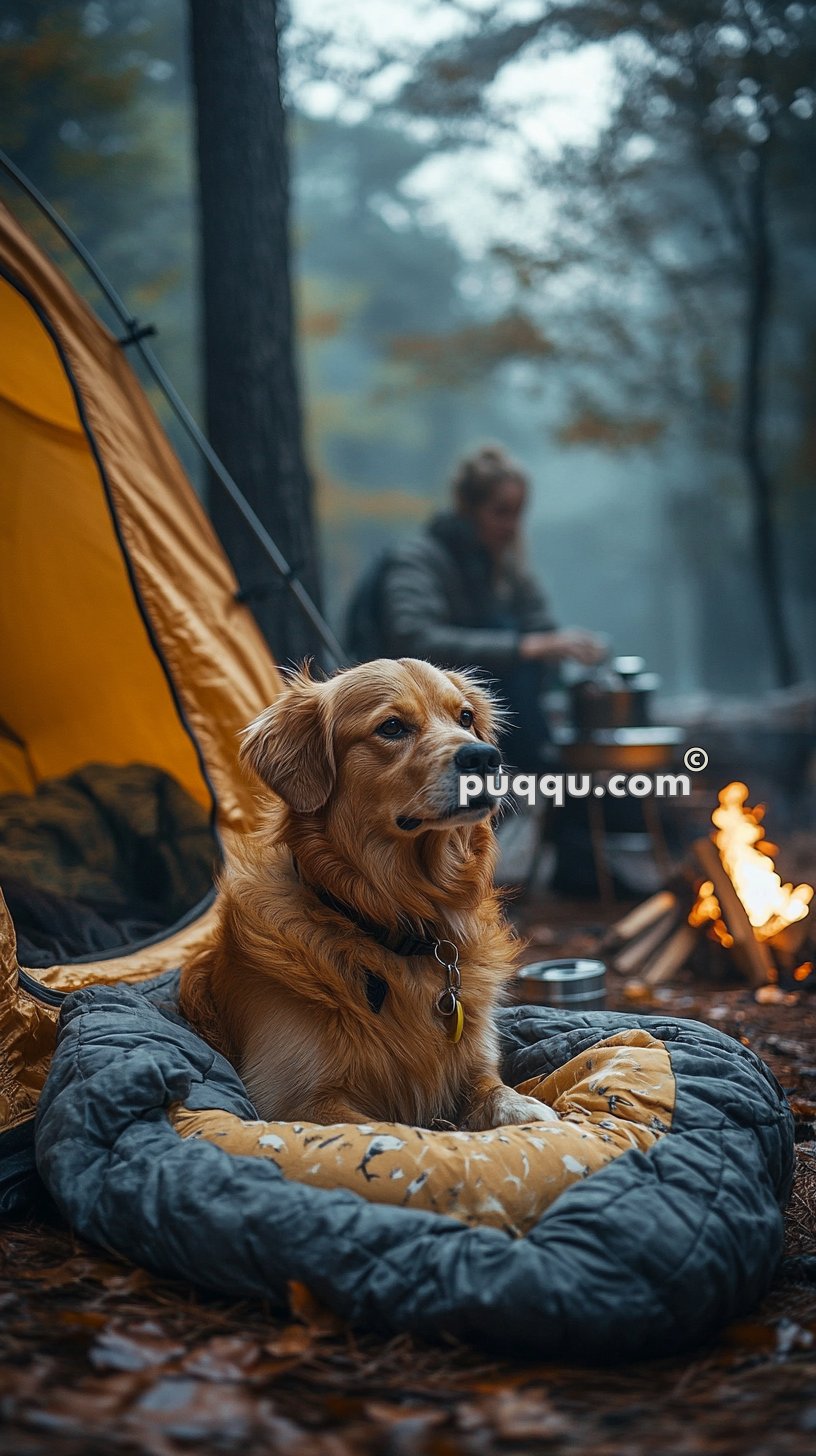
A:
[121,640]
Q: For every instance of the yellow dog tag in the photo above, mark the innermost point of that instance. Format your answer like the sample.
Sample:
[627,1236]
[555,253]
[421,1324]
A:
[458,1022]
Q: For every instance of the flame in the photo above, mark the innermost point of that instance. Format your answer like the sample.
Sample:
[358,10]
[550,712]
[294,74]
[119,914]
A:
[747,857]
[706,906]
[706,911]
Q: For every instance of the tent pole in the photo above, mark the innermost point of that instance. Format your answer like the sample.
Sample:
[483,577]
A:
[135,336]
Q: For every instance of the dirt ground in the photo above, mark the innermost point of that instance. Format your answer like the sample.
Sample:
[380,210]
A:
[97,1356]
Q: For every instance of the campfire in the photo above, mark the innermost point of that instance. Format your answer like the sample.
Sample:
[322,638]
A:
[728,901]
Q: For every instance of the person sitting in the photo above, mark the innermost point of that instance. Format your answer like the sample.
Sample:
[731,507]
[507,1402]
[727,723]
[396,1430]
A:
[457,594]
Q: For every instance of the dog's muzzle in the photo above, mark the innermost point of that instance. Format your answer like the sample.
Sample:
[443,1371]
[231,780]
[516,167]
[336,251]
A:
[472,758]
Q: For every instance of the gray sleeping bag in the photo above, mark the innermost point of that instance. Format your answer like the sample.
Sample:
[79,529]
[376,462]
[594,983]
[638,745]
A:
[648,1255]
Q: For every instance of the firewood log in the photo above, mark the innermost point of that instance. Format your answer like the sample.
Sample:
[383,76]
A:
[752,955]
[638,952]
[639,919]
[672,956]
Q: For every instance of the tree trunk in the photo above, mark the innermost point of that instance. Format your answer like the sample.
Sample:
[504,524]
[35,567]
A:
[252,396]
[760,285]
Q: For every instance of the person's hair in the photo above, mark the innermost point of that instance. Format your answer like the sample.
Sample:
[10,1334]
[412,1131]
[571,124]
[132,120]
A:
[477,475]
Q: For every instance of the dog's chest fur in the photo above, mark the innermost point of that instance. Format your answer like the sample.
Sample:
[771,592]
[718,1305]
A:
[424,1073]
[396,1064]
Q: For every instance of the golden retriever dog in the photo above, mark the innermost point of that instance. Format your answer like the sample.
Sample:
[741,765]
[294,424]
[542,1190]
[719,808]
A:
[361,950]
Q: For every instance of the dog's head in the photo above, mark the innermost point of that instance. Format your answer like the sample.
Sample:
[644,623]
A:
[381,746]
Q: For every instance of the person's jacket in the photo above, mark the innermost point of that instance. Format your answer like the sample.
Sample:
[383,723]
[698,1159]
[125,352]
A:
[444,598]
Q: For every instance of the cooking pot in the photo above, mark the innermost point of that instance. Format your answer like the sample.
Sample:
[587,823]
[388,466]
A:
[614,695]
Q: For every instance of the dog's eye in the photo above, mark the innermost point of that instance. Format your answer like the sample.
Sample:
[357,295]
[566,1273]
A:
[466,718]
[392,728]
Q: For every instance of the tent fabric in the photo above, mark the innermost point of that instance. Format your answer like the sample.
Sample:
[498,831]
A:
[121,638]
[66,603]
[648,1255]
[109,556]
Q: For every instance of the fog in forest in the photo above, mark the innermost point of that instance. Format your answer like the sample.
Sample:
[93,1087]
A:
[504,228]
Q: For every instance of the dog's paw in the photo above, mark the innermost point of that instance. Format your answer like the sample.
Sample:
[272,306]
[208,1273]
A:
[505,1108]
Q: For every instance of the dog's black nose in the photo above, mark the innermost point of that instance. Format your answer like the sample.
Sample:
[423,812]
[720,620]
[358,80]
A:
[477,758]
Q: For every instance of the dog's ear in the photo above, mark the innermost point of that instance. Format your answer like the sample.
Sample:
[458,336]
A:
[489,710]
[289,747]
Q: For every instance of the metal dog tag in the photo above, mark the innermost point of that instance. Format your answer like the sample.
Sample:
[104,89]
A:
[448,1003]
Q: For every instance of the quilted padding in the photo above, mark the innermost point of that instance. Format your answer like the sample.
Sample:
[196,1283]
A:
[648,1255]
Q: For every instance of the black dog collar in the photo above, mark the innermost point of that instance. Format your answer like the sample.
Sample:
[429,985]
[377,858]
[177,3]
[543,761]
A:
[448,1002]
[398,943]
